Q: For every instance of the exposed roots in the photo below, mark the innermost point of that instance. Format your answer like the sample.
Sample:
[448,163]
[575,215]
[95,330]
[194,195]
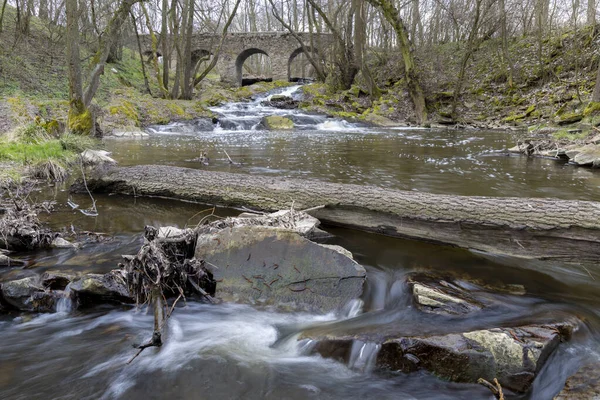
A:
[166,262]
[20,227]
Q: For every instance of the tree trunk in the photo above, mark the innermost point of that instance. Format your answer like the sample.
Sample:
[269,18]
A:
[166,57]
[2,14]
[390,12]
[596,93]
[142,63]
[505,53]
[43,10]
[360,37]
[188,69]
[469,50]
[81,119]
[550,229]
[591,12]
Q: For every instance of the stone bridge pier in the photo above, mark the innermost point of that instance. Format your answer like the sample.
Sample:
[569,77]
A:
[281,48]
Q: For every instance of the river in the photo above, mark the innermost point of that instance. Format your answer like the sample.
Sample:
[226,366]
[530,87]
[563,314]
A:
[234,351]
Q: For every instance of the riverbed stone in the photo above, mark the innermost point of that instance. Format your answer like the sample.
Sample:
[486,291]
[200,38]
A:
[588,156]
[6,261]
[61,243]
[275,266]
[437,294]
[379,120]
[276,122]
[55,280]
[281,101]
[93,289]
[513,355]
[129,134]
[18,293]
[583,385]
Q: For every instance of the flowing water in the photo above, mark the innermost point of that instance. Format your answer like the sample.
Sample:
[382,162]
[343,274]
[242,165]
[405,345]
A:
[233,351]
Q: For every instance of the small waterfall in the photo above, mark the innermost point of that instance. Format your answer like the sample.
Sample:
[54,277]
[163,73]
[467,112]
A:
[353,309]
[336,125]
[65,303]
[363,356]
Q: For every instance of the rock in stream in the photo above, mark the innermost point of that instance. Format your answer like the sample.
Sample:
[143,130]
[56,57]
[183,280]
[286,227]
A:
[275,266]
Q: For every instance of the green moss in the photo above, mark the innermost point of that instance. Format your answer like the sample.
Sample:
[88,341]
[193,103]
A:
[127,110]
[276,122]
[592,108]
[564,134]
[176,109]
[345,114]
[80,122]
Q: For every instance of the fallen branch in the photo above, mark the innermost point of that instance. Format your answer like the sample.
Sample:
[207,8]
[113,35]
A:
[237,164]
[495,388]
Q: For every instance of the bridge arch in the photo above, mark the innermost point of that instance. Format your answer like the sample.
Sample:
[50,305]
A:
[294,57]
[241,59]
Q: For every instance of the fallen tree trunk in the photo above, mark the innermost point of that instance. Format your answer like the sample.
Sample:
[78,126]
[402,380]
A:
[547,229]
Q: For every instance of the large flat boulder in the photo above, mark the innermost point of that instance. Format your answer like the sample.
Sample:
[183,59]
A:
[275,266]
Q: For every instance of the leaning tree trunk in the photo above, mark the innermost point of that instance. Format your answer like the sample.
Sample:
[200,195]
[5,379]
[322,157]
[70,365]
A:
[391,14]
[549,229]
[81,119]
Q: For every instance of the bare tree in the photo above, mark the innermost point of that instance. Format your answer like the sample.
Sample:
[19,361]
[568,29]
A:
[391,14]
[81,119]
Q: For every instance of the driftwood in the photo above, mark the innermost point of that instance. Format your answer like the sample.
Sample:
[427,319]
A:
[546,229]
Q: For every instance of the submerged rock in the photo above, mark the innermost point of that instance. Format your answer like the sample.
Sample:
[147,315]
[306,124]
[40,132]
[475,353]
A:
[275,266]
[276,122]
[443,297]
[584,385]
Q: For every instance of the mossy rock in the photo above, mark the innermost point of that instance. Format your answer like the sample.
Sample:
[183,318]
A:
[570,118]
[378,120]
[126,109]
[592,109]
[278,123]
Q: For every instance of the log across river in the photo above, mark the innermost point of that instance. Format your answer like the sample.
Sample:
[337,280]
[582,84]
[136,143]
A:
[564,231]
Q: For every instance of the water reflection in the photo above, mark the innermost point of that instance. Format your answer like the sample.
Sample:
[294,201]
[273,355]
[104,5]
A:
[451,162]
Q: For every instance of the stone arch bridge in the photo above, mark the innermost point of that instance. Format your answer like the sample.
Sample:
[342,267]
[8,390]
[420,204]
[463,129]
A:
[281,47]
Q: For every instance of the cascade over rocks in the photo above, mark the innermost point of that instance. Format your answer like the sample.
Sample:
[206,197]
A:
[513,355]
